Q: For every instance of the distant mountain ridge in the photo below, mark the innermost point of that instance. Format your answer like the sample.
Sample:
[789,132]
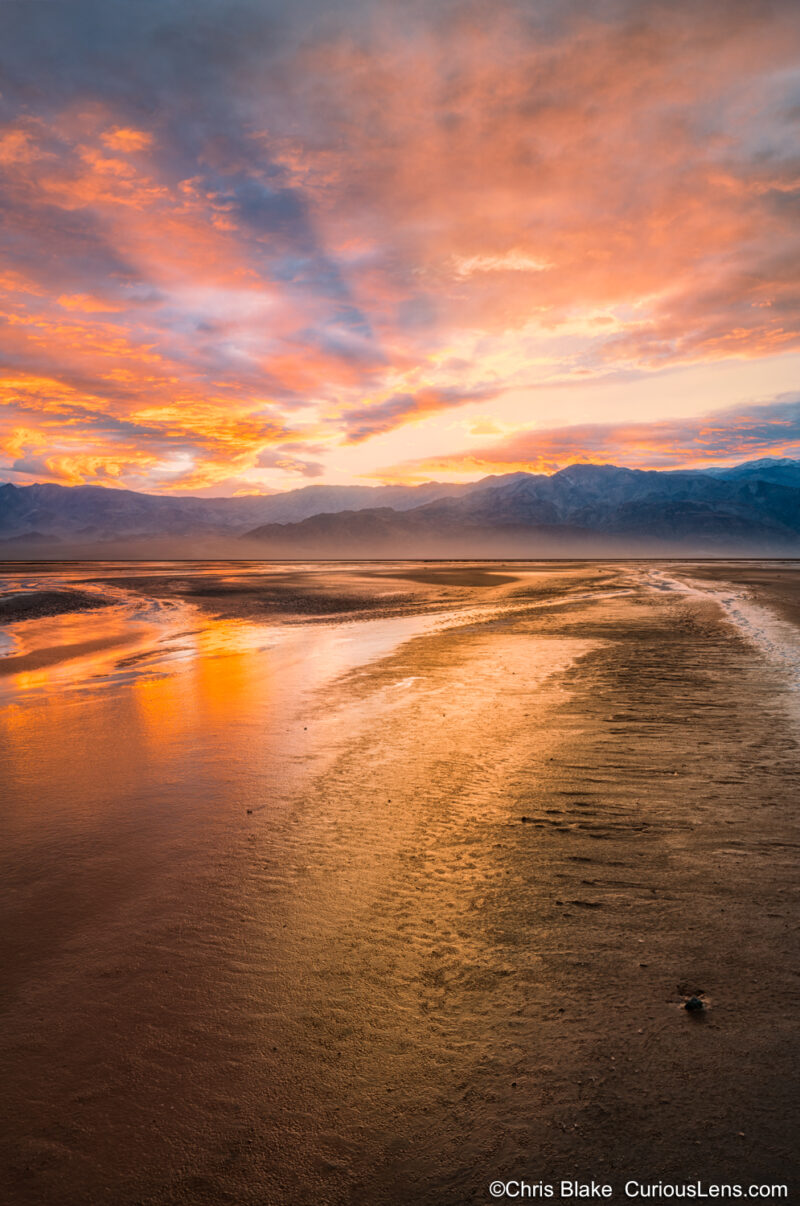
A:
[99,513]
[755,504]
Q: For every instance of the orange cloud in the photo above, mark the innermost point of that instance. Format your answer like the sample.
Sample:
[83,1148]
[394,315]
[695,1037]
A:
[87,304]
[740,433]
[381,220]
[120,139]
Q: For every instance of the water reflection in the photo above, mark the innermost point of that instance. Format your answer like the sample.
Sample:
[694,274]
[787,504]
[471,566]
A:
[135,636]
[138,738]
[150,706]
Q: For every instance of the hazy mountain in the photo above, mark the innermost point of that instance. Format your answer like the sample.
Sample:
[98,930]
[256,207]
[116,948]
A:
[582,509]
[781,470]
[90,514]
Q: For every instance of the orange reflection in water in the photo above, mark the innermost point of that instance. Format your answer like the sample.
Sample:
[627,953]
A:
[151,709]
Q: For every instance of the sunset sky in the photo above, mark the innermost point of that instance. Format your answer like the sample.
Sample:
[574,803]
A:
[250,245]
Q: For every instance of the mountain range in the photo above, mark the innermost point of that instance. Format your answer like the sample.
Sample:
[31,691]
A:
[580,510]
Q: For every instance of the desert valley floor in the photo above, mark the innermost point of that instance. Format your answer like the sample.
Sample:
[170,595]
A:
[375,883]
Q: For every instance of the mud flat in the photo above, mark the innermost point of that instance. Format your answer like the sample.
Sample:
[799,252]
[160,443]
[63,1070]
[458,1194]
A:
[375,921]
[772,583]
[36,604]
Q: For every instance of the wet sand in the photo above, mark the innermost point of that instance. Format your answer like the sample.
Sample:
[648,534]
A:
[36,604]
[380,911]
[56,654]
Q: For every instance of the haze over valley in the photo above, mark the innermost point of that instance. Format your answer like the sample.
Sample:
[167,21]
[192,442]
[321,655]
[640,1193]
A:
[583,510]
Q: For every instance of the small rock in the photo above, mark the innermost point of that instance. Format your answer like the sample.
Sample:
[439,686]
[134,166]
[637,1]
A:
[525,820]
[694,1004]
[249,812]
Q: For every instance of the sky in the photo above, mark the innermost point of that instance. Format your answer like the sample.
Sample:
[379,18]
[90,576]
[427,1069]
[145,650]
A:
[249,245]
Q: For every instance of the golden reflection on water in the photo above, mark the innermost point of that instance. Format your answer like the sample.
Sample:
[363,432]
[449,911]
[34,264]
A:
[146,710]
[205,712]
[191,713]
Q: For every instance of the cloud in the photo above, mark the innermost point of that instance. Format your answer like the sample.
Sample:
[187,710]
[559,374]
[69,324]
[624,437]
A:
[735,434]
[120,139]
[510,261]
[286,458]
[46,432]
[368,214]
[363,422]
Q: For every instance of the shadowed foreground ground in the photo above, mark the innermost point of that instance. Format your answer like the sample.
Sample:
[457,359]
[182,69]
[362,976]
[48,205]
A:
[425,924]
